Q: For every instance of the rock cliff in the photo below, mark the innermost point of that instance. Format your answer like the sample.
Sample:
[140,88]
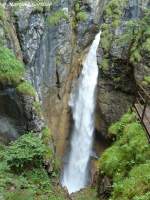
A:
[51,40]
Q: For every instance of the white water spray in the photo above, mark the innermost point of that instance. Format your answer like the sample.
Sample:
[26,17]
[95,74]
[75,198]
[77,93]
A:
[75,176]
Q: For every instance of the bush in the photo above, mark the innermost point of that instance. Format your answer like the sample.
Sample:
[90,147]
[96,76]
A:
[116,129]
[22,175]
[137,184]
[127,162]
[11,69]
[26,152]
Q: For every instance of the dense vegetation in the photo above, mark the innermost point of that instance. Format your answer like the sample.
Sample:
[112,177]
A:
[127,162]
[11,69]
[22,172]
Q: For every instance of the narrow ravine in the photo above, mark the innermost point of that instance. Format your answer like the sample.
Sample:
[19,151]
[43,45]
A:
[76,172]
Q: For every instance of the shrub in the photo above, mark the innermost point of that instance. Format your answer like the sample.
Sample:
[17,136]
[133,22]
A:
[25,156]
[127,162]
[116,129]
[111,162]
[11,69]
[26,152]
[137,184]
[80,15]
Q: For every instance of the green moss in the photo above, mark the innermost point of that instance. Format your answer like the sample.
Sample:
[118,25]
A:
[26,88]
[11,69]
[56,17]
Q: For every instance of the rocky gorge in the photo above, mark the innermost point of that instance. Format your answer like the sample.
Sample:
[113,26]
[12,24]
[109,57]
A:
[42,47]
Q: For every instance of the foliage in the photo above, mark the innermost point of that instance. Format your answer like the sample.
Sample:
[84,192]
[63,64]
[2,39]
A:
[113,11]
[26,88]
[80,14]
[26,152]
[137,184]
[56,17]
[116,129]
[22,174]
[127,161]
[11,69]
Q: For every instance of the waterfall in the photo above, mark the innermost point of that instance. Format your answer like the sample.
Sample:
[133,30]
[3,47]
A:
[75,175]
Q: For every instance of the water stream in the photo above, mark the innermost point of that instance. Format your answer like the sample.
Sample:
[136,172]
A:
[76,173]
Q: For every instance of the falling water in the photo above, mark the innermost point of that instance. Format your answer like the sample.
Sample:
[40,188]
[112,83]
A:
[75,175]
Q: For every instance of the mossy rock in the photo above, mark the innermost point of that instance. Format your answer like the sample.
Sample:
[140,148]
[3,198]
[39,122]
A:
[26,88]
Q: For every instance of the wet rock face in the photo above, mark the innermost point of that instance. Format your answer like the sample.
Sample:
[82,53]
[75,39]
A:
[53,54]
[16,115]
[10,112]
